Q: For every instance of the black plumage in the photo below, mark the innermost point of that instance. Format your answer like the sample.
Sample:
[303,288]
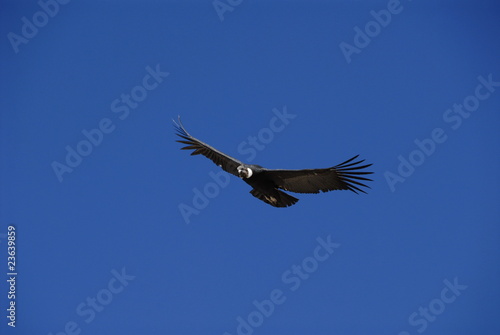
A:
[268,183]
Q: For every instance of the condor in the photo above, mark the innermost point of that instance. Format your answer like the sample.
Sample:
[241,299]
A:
[266,183]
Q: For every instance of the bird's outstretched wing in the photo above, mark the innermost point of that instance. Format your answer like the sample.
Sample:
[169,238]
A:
[345,176]
[227,163]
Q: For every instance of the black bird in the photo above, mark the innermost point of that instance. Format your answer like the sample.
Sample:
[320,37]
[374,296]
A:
[267,183]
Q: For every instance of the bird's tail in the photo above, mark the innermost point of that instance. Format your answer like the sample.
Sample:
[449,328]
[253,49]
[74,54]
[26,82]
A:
[274,197]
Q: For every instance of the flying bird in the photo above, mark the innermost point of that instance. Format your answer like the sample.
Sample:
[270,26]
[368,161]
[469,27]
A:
[267,183]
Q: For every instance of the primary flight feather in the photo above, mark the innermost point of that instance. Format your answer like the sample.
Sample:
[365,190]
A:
[268,183]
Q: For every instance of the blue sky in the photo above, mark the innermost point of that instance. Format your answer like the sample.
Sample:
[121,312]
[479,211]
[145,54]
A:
[94,183]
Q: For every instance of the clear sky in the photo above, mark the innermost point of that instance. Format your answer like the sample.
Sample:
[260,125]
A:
[117,231]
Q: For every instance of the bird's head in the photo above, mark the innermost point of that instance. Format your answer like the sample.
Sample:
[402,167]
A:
[244,172]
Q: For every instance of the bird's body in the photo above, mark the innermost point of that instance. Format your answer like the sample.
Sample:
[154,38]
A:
[267,183]
[264,188]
